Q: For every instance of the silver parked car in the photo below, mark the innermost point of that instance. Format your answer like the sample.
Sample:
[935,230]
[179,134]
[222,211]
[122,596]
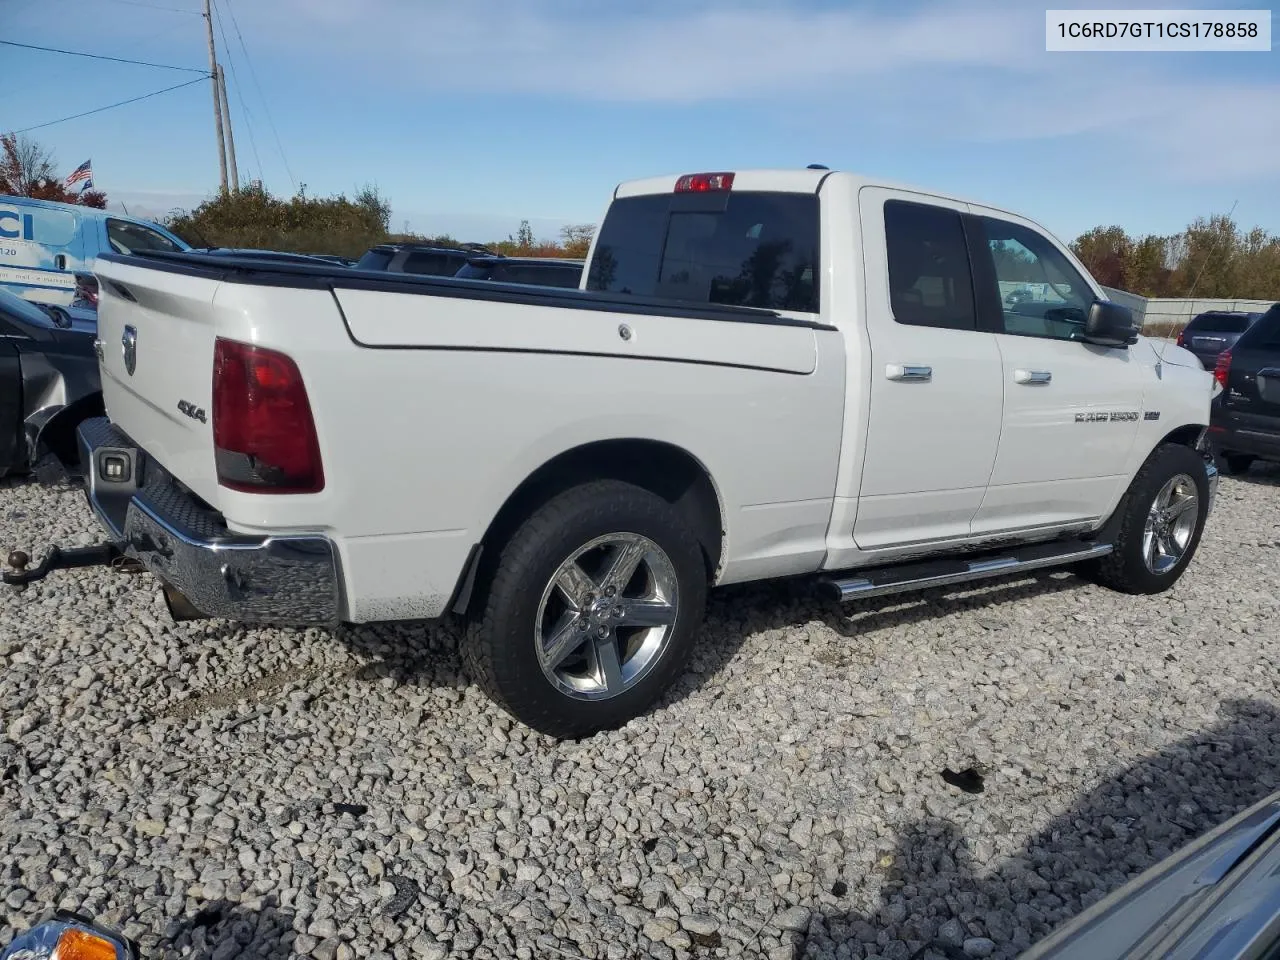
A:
[1218,898]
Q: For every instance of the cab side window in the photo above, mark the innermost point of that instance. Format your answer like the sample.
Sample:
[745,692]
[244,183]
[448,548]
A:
[930,283]
[1041,293]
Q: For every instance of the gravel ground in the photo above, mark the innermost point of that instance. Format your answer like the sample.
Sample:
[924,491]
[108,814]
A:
[220,792]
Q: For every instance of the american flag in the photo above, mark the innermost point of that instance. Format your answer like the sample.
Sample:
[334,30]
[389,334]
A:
[81,174]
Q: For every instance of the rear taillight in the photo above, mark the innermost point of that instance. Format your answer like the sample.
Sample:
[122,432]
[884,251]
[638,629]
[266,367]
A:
[87,288]
[1222,369]
[1181,341]
[704,183]
[264,436]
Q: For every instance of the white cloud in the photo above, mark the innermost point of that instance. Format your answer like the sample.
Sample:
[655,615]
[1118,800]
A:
[927,73]
[923,75]
[671,55]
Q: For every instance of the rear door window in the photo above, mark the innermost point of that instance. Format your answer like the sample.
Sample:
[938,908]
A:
[930,281]
[760,249]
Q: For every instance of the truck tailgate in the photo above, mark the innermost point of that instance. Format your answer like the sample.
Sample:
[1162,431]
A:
[157,331]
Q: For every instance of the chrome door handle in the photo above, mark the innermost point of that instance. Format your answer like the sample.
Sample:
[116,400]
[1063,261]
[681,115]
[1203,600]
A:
[908,372]
[1032,376]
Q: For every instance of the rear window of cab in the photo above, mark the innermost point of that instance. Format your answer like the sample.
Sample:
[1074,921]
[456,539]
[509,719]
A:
[741,248]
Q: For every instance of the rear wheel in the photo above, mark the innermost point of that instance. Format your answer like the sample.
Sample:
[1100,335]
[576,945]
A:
[1163,517]
[590,612]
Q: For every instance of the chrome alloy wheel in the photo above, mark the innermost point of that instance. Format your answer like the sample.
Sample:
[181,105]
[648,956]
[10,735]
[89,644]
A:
[607,616]
[1171,523]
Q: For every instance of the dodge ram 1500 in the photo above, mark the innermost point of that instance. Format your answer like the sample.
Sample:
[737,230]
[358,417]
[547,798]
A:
[765,374]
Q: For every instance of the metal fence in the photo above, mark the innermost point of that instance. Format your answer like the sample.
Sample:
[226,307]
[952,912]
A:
[1174,312]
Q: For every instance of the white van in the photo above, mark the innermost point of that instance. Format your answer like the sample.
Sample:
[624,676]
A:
[44,244]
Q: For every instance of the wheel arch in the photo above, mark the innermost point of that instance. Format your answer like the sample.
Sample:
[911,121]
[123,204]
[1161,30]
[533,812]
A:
[57,433]
[663,468]
[1186,435]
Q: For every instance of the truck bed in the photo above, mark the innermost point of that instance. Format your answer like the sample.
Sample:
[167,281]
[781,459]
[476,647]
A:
[305,276]
[434,399]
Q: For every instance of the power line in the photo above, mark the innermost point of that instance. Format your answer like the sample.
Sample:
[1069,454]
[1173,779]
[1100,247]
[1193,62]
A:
[265,107]
[98,56]
[244,107]
[112,106]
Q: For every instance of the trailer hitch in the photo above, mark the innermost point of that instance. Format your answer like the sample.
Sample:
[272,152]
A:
[20,573]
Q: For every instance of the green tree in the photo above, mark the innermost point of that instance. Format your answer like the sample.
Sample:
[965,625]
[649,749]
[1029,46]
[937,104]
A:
[27,169]
[1107,252]
[575,239]
[257,219]
[523,240]
[1210,259]
[1147,270]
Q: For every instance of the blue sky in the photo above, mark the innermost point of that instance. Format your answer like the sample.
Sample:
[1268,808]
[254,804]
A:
[471,116]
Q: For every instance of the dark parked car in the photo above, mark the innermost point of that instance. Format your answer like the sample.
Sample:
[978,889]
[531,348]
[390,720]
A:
[419,258]
[538,271]
[48,384]
[1245,422]
[1208,334]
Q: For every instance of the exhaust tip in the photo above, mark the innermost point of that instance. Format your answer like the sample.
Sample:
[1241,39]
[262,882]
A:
[180,608]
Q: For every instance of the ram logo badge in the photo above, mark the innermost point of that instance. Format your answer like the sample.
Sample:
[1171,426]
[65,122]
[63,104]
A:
[191,410]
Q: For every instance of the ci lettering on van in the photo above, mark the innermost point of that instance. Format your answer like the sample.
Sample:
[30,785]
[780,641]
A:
[17,226]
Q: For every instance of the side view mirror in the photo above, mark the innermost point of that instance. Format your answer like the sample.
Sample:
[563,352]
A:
[1109,325]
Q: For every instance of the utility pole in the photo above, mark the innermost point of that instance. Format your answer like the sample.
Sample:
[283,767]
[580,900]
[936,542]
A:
[217,98]
[231,138]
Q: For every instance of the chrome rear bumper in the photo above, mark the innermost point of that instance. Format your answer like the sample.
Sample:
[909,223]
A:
[273,579]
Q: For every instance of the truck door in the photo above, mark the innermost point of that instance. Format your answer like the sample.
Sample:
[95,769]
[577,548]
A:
[1071,409]
[935,391]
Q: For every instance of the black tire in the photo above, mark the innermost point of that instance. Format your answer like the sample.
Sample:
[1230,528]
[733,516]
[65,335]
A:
[1125,569]
[1235,463]
[500,649]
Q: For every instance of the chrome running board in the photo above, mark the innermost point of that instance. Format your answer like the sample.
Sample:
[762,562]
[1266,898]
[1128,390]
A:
[882,581]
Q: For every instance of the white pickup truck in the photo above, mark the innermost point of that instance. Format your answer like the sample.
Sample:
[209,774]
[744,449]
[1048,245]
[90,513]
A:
[765,374]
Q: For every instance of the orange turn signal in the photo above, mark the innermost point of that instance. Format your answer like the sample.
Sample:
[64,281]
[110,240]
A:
[78,944]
